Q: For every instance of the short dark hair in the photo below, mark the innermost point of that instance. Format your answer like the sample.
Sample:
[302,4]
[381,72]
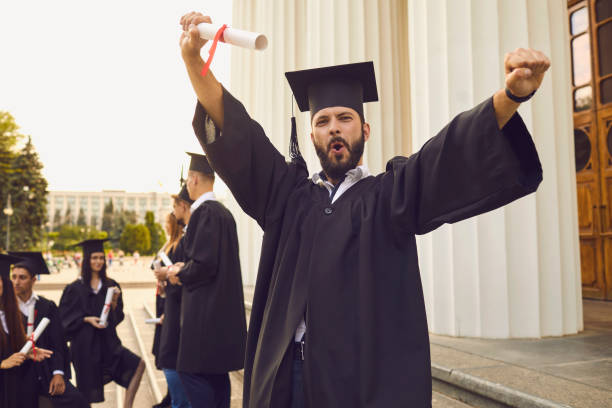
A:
[24,265]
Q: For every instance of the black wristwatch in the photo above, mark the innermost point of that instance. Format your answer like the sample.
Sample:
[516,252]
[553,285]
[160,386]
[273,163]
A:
[519,99]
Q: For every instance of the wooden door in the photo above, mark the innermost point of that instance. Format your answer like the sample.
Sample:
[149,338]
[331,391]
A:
[590,23]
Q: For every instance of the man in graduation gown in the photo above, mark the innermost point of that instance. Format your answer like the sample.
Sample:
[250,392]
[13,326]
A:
[213,323]
[338,267]
[49,378]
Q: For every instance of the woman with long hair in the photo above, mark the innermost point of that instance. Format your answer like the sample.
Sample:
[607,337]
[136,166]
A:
[12,337]
[170,329]
[96,351]
[174,233]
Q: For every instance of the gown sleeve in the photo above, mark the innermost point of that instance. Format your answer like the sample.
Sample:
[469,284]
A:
[257,174]
[116,315]
[71,310]
[470,167]
[58,345]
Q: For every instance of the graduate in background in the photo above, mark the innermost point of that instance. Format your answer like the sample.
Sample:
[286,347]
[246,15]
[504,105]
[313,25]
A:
[338,317]
[174,232]
[50,377]
[95,350]
[213,324]
[12,338]
[171,326]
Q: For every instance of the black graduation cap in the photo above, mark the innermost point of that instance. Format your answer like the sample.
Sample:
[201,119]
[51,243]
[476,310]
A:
[199,163]
[349,85]
[92,245]
[33,262]
[5,263]
[183,195]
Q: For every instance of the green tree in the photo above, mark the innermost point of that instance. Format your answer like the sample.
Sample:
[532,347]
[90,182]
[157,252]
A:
[56,222]
[81,219]
[31,198]
[68,219]
[156,232]
[120,220]
[135,237]
[21,177]
[107,217]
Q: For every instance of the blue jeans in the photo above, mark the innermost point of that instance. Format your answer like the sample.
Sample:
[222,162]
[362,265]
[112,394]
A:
[175,387]
[207,390]
[297,386]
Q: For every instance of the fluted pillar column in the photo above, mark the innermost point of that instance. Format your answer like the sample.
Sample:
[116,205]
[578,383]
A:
[514,272]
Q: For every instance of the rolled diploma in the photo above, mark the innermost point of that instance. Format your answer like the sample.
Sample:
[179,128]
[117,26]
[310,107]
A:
[153,320]
[30,321]
[39,330]
[164,258]
[234,36]
[107,306]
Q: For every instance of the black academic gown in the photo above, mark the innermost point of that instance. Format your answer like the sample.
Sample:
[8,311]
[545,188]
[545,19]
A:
[9,381]
[351,267]
[171,327]
[36,376]
[159,310]
[97,354]
[213,323]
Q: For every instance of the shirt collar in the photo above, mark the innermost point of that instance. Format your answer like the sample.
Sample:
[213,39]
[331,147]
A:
[30,301]
[356,174]
[25,306]
[204,197]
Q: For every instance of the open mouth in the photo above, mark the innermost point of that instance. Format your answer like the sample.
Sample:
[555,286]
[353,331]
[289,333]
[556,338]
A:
[337,147]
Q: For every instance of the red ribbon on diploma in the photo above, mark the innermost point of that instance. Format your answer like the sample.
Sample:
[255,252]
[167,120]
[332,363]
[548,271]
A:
[33,345]
[32,337]
[213,47]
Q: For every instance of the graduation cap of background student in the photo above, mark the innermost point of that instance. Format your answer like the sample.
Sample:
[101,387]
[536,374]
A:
[183,195]
[348,85]
[5,264]
[200,163]
[32,261]
[92,245]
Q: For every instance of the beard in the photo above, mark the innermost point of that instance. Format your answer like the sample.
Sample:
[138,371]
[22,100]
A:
[336,169]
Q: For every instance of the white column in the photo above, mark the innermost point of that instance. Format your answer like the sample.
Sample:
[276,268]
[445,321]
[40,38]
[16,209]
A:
[311,34]
[514,272]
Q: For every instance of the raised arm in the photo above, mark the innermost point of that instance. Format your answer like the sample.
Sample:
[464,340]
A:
[483,159]
[236,145]
[207,88]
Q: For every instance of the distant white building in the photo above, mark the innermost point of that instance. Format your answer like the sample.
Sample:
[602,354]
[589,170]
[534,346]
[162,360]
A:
[92,204]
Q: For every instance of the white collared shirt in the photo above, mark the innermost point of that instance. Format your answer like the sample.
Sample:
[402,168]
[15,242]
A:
[24,307]
[204,197]
[352,177]
[28,304]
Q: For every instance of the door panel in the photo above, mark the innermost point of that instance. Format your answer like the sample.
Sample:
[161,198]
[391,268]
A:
[604,121]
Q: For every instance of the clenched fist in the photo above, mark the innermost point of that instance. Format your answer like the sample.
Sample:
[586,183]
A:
[525,70]
[191,43]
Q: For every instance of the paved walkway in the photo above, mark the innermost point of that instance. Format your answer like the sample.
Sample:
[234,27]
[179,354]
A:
[571,370]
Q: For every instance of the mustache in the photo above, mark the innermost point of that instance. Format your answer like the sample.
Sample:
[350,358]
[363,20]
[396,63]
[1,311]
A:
[338,139]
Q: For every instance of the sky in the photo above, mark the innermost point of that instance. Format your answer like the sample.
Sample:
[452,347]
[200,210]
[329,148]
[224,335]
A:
[102,90]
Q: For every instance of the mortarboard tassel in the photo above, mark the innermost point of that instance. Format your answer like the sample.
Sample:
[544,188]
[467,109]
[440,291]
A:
[294,147]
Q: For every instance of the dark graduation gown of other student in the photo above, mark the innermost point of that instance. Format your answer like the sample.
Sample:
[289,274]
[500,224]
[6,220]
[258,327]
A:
[97,354]
[9,379]
[170,328]
[351,267]
[213,322]
[41,373]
